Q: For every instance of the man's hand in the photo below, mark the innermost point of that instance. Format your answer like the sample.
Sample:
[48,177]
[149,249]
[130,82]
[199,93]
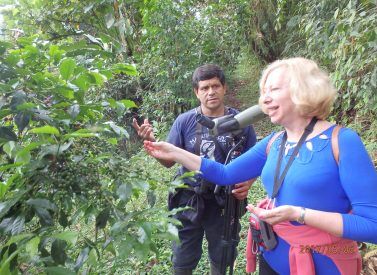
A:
[241,189]
[145,130]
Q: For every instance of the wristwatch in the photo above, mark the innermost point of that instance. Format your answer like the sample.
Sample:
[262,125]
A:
[301,219]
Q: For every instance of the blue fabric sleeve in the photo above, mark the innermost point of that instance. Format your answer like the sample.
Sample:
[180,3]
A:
[247,166]
[175,136]
[358,177]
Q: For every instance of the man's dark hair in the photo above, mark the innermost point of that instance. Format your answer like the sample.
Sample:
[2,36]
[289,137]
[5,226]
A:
[206,72]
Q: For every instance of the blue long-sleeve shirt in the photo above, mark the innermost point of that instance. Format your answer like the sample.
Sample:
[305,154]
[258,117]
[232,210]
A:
[313,181]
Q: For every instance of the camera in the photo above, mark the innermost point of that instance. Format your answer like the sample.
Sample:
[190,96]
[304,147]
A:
[262,233]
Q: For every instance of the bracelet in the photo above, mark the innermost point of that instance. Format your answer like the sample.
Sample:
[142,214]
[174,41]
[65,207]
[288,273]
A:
[301,219]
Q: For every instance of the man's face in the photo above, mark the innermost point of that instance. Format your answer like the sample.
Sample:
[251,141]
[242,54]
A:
[211,94]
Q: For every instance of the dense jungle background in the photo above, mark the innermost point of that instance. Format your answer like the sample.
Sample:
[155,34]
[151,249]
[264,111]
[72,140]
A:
[77,192]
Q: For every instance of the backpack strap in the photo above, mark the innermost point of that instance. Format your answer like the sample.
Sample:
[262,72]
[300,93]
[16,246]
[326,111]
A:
[272,139]
[335,143]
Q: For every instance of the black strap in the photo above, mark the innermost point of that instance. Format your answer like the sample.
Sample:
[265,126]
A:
[279,180]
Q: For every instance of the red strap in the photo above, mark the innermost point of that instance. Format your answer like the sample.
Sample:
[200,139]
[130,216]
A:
[272,139]
[335,143]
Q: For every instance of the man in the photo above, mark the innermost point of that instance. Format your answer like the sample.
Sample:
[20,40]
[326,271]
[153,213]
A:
[206,217]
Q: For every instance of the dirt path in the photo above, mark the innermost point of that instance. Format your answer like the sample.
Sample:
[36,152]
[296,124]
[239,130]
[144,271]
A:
[231,96]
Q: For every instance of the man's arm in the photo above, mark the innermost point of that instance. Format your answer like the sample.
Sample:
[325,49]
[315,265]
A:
[145,131]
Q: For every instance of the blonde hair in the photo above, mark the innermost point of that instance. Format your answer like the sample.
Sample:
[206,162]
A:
[310,87]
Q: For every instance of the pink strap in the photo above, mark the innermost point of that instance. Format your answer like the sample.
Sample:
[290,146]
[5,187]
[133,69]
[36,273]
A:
[343,252]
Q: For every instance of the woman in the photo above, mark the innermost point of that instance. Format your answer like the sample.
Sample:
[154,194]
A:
[320,205]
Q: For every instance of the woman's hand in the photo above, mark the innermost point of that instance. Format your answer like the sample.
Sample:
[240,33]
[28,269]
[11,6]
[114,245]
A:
[161,150]
[276,215]
[327,221]
[166,152]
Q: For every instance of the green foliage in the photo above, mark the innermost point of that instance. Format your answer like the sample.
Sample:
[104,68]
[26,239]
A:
[180,36]
[106,24]
[72,198]
[340,35]
[346,43]
[61,164]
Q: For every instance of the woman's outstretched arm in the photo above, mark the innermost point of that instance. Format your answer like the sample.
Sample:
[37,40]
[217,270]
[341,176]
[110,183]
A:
[168,152]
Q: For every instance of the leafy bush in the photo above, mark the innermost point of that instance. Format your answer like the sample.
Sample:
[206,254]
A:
[62,166]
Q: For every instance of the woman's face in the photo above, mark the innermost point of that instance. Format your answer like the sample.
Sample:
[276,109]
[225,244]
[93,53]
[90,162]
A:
[276,98]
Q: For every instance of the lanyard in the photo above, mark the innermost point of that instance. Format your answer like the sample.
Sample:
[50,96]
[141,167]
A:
[279,180]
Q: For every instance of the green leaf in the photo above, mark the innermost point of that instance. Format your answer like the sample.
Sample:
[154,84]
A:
[22,120]
[125,248]
[82,133]
[120,131]
[109,18]
[373,78]
[5,112]
[336,13]
[45,130]
[13,225]
[124,191]
[81,259]
[9,255]
[74,110]
[68,236]
[57,251]
[57,270]
[19,98]
[55,149]
[9,166]
[67,67]
[55,53]
[41,207]
[42,115]
[65,92]
[5,206]
[3,101]
[63,219]
[42,203]
[5,88]
[30,147]
[94,40]
[173,230]
[22,157]
[32,246]
[44,217]
[102,218]
[25,106]
[97,78]
[18,238]
[92,259]
[124,68]
[112,141]
[7,134]
[128,103]
[151,197]
[88,7]
[3,46]
[83,81]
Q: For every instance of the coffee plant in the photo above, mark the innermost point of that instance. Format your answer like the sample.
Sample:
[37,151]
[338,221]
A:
[61,164]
